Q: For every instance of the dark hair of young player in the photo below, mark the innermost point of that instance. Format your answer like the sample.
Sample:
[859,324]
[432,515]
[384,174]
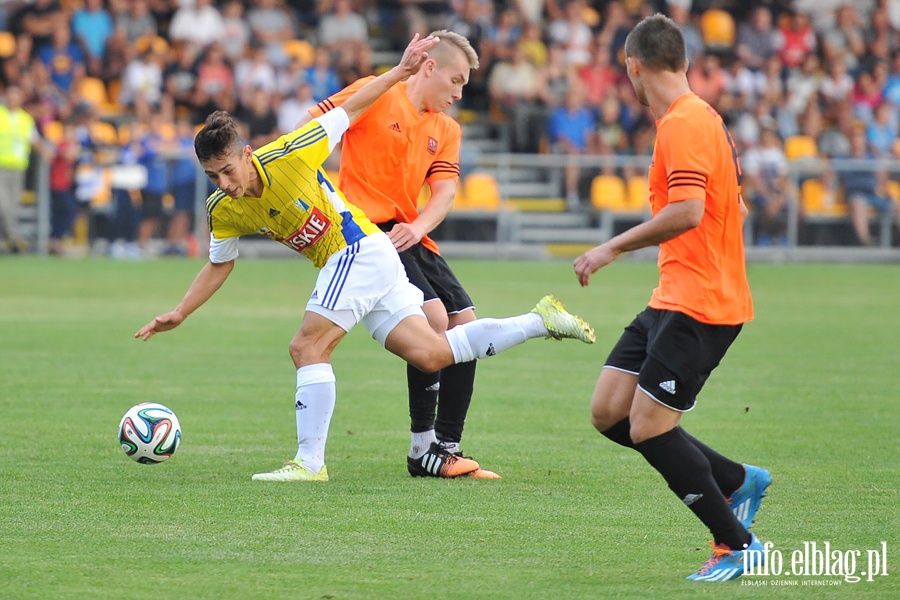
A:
[657,43]
[218,138]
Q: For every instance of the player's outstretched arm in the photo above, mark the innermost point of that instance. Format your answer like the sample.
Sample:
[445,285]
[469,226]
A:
[414,57]
[208,281]
[670,222]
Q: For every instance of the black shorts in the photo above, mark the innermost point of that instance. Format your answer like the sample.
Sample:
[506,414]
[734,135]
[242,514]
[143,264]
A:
[672,354]
[430,273]
[151,205]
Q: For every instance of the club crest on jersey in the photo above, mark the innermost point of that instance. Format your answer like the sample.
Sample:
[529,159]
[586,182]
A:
[315,226]
[432,145]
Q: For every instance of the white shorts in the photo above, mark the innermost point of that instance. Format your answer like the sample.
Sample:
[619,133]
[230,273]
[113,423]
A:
[366,283]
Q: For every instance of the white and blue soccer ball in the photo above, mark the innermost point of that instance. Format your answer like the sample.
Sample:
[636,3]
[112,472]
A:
[149,433]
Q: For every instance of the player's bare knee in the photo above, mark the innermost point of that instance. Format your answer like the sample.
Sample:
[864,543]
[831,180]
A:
[440,327]
[460,318]
[304,351]
[436,315]
[296,349]
[599,423]
[644,429]
[427,360]
[603,417]
[431,363]
[637,433]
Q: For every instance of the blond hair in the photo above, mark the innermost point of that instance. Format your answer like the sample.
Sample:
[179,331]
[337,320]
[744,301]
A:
[451,38]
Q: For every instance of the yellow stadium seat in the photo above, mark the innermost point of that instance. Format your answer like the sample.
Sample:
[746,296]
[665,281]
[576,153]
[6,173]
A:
[638,193]
[53,131]
[467,115]
[800,146]
[812,195]
[817,199]
[481,191]
[717,28]
[124,132]
[590,16]
[93,91]
[461,201]
[159,45]
[167,131]
[104,133]
[154,43]
[608,193]
[424,196]
[892,190]
[7,44]
[300,51]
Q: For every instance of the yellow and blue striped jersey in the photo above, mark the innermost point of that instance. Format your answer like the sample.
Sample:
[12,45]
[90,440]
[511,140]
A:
[299,207]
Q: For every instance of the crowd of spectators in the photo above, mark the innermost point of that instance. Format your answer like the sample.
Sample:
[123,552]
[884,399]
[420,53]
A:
[553,70]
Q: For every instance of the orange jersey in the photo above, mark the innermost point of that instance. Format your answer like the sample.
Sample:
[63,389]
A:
[702,272]
[391,151]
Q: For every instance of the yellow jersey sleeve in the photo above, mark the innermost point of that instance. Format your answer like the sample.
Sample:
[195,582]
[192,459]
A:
[310,143]
[221,227]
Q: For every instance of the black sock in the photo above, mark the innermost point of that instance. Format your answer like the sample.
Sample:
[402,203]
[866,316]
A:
[620,433]
[687,471]
[729,475]
[457,384]
[423,393]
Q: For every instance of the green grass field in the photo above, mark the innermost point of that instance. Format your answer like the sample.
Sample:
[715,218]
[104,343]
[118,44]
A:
[809,390]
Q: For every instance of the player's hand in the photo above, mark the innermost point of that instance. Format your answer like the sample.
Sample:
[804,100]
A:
[165,322]
[592,260]
[416,54]
[405,235]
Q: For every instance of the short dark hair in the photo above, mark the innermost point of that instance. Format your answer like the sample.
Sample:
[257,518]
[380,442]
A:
[658,43]
[219,137]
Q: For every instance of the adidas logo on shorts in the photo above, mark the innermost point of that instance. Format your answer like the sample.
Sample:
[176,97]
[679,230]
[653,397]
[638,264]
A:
[668,386]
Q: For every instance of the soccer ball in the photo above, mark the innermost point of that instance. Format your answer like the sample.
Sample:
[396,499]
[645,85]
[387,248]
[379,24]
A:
[149,433]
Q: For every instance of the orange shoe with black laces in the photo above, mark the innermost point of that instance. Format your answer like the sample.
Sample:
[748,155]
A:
[437,462]
[479,473]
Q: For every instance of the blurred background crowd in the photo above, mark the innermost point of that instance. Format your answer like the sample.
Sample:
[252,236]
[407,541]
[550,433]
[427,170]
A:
[128,81]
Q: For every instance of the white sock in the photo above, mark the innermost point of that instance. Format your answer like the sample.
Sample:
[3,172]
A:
[487,337]
[451,447]
[421,442]
[315,405]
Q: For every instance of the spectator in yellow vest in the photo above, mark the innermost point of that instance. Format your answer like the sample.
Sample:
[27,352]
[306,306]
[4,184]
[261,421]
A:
[17,134]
